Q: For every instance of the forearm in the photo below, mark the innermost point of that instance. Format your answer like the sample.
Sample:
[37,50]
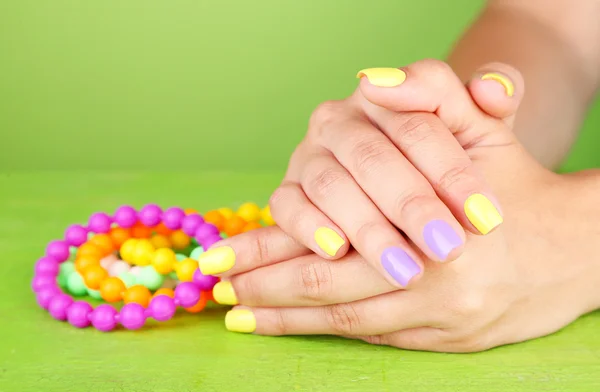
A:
[556,46]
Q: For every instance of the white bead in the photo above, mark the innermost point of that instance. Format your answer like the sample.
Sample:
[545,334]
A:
[107,261]
[135,271]
[117,268]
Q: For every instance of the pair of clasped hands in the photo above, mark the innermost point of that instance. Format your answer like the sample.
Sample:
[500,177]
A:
[395,221]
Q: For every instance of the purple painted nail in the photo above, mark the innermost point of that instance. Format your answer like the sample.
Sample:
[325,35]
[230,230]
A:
[440,238]
[399,265]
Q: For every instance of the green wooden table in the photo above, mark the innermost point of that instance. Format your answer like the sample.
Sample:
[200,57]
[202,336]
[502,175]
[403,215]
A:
[195,352]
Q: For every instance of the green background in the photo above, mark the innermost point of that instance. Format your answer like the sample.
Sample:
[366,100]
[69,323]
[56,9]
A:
[199,103]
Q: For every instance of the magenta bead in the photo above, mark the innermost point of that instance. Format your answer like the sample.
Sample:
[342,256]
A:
[172,218]
[103,318]
[205,231]
[45,295]
[99,223]
[162,307]
[204,282]
[59,305]
[210,241]
[150,215]
[187,294]
[126,217]
[191,223]
[132,316]
[47,266]
[59,250]
[78,314]
[41,281]
[76,235]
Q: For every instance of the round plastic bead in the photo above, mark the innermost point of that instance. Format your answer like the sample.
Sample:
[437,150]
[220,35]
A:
[59,250]
[107,261]
[93,276]
[143,252]
[234,225]
[59,305]
[251,226]
[94,294]
[173,217]
[78,314]
[127,249]
[135,270]
[196,253]
[191,223]
[185,269]
[137,294]
[99,223]
[45,295]
[126,217]
[76,235]
[160,241]
[150,278]
[89,249]
[164,260]
[250,212]
[162,229]
[118,267]
[47,266]
[132,316]
[128,279]
[103,242]
[40,281]
[150,215]
[210,241]
[204,282]
[162,307]
[226,212]
[65,270]
[119,235]
[265,214]
[164,291]
[215,218]
[83,262]
[179,240]
[187,294]
[112,289]
[75,285]
[180,256]
[205,231]
[190,211]
[200,305]
[141,231]
[103,318]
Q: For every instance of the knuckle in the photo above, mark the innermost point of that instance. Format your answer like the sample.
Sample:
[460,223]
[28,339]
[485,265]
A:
[277,196]
[248,290]
[370,155]
[467,306]
[412,202]
[440,70]
[324,115]
[367,231]
[414,129]
[315,279]
[343,319]
[324,180]
[454,175]
[259,248]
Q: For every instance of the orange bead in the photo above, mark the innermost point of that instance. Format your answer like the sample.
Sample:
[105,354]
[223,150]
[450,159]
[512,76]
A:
[209,296]
[163,260]
[200,305]
[162,229]
[160,241]
[179,240]
[93,276]
[89,249]
[234,226]
[112,289]
[164,291]
[141,231]
[190,211]
[251,226]
[82,262]
[216,218]
[185,269]
[103,242]
[119,235]
[137,294]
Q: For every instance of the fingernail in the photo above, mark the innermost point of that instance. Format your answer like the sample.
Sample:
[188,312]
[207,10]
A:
[441,238]
[224,294]
[240,320]
[328,240]
[503,80]
[383,77]
[399,265]
[482,213]
[217,260]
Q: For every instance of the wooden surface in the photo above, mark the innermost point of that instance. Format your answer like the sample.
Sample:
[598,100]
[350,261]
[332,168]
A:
[195,352]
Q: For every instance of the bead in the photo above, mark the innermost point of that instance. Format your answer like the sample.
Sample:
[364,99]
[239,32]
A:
[141,231]
[143,252]
[187,294]
[234,225]
[94,294]
[118,267]
[226,212]
[89,249]
[119,235]
[172,218]
[45,295]
[150,215]
[75,285]
[78,314]
[200,305]
[204,282]
[209,296]
[125,216]
[162,307]
[164,260]
[160,241]
[99,223]
[250,212]
[93,276]
[103,242]
[162,229]
[135,271]
[112,289]
[138,294]
[163,291]
[76,235]
[190,211]
[205,231]
[180,256]
[103,318]
[127,249]
[107,261]
[179,240]
[59,250]
[251,226]
[128,279]
[191,223]
[47,266]
[65,270]
[59,305]
[210,241]
[40,281]
[132,316]
[265,214]
[196,253]
[150,278]
[185,270]
[215,218]
[83,262]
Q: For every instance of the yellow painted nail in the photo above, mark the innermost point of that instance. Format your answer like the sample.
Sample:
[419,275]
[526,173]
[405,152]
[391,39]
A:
[328,240]
[224,294]
[240,320]
[503,80]
[482,213]
[383,77]
[217,260]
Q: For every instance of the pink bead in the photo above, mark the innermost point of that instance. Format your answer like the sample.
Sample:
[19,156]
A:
[187,294]
[125,216]
[103,318]
[191,223]
[47,266]
[59,250]
[78,314]
[99,223]
[172,218]
[41,281]
[150,215]
[132,316]
[210,241]
[162,308]
[206,230]
[204,282]
[45,295]
[59,305]
[76,235]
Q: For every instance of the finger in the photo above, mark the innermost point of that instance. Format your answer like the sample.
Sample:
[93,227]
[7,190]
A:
[396,187]
[334,191]
[250,250]
[418,339]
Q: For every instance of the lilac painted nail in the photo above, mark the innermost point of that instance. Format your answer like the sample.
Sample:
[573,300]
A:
[440,238]
[399,265]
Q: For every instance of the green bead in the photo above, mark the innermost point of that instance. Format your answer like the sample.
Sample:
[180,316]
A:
[150,278]
[180,257]
[75,284]
[196,253]
[94,294]
[173,275]
[65,270]
[128,279]
[72,252]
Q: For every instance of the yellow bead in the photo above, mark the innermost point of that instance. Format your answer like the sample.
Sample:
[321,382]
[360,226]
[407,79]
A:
[250,212]
[127,249]
[185,269]
[179,240]
[226,212]
[265,214]
[160,241]
[164,260]
[143,252]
